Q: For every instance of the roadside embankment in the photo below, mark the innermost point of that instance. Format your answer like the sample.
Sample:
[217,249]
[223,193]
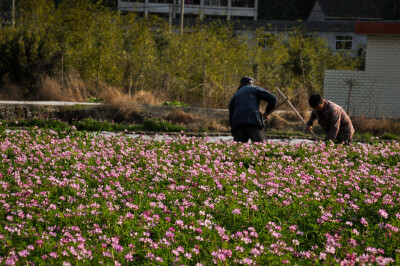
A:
[193,118]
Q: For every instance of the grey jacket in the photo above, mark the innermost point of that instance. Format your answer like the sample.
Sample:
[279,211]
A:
[244,106]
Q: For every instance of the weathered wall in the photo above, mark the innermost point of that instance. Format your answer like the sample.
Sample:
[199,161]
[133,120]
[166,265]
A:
[377,90]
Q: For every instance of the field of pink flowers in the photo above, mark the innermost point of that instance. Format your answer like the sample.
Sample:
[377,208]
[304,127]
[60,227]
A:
[79,197]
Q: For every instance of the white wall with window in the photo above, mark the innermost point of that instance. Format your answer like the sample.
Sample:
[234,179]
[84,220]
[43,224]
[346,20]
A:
[344,41]
[377,89]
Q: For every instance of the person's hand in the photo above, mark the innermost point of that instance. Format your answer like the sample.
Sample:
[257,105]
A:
[265,116]
[309,128]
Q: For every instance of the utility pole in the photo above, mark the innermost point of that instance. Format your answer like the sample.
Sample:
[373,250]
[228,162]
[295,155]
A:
[182,12]
[13,13]
[170,17]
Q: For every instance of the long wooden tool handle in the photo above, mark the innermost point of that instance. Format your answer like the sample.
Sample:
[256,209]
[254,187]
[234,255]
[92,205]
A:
[277,106]
[297,113]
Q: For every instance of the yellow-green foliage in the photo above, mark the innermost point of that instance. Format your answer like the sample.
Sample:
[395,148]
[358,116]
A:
[202,67]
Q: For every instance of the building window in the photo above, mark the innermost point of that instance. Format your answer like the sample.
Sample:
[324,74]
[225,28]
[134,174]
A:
[243,3]
[215,2]
[161,1]
[344,42]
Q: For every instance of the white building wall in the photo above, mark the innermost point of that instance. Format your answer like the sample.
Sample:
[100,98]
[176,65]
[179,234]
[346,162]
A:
[383,54]
[377,89]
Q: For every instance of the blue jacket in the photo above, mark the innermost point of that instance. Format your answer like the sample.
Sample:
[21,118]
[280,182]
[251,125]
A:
[244,106]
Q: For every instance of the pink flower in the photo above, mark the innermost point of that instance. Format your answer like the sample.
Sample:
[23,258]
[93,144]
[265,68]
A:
[293,228]
[118,248]
[129,256]
[322,256]
[23,253]
[383,213]
[236,211]
[239,249]
[221,256]
[330,250]
[179,223]
[352,243]
[175,252]
[364,221]
[39,242]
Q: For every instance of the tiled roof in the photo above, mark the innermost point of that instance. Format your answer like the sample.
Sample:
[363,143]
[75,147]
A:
[286,25]
[378,28]
[281,25]
[350,9]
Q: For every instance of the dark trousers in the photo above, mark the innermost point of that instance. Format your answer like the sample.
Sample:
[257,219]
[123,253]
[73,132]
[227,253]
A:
[246,132]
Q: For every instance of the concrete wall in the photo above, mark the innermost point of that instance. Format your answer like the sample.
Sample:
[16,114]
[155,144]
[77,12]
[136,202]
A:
[377,90]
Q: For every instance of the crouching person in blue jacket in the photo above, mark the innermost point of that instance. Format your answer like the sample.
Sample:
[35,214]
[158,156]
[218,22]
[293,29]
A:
[245,117]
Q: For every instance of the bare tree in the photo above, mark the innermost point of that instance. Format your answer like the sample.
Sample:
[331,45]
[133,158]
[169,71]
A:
[351,83]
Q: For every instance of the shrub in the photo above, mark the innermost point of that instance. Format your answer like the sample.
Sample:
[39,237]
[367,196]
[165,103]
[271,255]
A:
[156,124]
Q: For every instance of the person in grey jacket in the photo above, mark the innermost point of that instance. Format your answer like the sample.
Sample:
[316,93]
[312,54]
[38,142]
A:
[245,117]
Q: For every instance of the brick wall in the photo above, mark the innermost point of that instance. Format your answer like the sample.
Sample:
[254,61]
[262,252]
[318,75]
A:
[377,89]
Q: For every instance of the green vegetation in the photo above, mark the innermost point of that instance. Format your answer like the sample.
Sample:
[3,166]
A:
[390,136]
[176,104]
[88,124]
[287,133]
[156,124]
[83,42]
[161,125]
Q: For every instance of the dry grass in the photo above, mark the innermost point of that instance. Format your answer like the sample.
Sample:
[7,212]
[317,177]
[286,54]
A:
[145,97]
[73,89]
[10,90]
[292,117]
[111,95]
[125,113]
[50,90]
[281,122]
[179,116]
[376,126]
[214,125]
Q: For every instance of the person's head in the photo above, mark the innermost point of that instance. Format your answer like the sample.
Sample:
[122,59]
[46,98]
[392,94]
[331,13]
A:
[246,81]
[316,102]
